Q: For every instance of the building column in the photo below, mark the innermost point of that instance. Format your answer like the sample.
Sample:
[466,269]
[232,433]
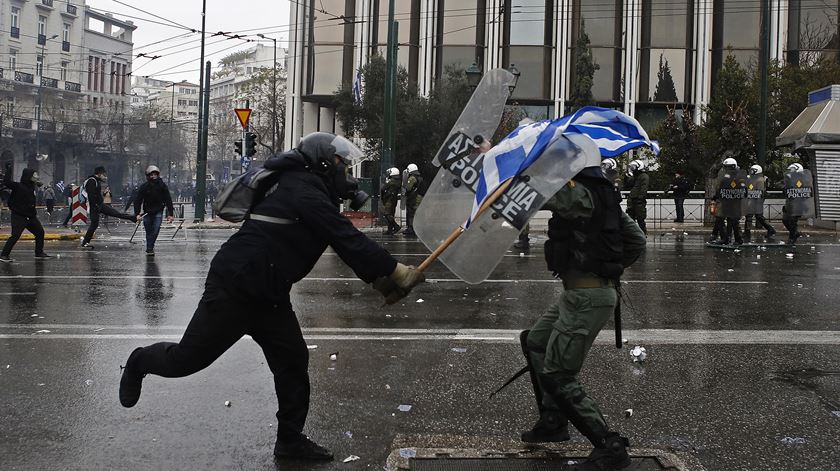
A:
[560,61]
[294,113]
[309,123]
[426,62]
[702,80]
[493,35]
[632,34]
[778,29]
[326,120]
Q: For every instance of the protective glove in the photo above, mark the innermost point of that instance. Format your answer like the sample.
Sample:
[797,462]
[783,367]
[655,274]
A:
[398,284]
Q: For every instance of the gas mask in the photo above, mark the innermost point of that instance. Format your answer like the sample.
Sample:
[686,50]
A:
[347,187]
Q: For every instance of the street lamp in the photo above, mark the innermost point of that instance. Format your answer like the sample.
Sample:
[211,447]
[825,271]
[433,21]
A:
[516,73]
[40,86]
[274,95]
[473,75]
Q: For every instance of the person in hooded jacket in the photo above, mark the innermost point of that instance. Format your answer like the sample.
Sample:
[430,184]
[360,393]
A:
[293,220]
[152,197]
[22,205]
[97,206]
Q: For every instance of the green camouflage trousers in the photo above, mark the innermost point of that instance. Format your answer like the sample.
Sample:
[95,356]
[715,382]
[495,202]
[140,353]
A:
[559,342]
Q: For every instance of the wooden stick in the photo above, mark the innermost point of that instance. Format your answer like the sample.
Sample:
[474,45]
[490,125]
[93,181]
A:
[460,229]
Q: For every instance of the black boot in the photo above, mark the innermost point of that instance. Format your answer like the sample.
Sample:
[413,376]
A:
[522,244]
[131,381]
[301,449]
[551,428]
[612,456]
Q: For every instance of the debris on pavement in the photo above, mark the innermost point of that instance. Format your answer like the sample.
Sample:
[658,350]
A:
[789,255]
[420,300]
[793,441]
[459,350]
[334,356]
[408,452]
[404,407]
[835,413]
[88,382]
[351,458]
[638,353]
[311,347]
[227,403]
[43,331]
[628,413]
[348,434]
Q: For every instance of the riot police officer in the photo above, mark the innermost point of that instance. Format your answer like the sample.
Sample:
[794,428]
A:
[390,195]
[799,199]
[637,182]
[590,243]
[731,194]
[414,189]
[754,207]
[248,285]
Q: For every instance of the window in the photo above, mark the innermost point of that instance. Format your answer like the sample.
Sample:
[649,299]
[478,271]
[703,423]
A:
[42,25]
[10,105]
[39,65]
[16,17]
[12,60]
[665,53]
[64,65]
[813,31]
[65,35]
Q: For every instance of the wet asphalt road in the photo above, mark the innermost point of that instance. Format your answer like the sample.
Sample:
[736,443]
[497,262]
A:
[744,353]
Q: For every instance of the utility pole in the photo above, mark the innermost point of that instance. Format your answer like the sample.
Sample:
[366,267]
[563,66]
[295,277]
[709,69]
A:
[273,97]
[40,87]
[171,128]
[201,94]
[201,161]
[765,72]
[387,159]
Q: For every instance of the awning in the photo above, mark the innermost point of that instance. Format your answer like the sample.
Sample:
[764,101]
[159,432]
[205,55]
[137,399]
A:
[816,124]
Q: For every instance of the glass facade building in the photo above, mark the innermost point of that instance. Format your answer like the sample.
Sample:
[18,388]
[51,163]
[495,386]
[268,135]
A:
[649,54]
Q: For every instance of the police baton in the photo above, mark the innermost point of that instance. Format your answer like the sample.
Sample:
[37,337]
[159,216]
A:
[136,226]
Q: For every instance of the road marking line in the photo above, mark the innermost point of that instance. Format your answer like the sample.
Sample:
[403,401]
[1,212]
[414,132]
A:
[348,279]
[641,336]
[18,294]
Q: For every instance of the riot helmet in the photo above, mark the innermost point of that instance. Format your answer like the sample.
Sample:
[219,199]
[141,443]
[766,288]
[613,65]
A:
[795,168]
[412,169]
[608,164]
[730,162]
[756,170]
[393,172]
[328,156]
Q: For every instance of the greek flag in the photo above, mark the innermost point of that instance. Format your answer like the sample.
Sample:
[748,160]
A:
[357,87]
[612,131]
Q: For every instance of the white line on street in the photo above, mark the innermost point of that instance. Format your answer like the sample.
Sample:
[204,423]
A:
[642,336]
[349,279]
[18,294]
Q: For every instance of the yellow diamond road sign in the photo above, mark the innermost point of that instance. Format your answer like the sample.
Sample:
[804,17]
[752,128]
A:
[244,114]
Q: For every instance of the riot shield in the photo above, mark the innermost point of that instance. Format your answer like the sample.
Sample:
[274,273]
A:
[732,192]
[799,194]
[474,255]
[755,195]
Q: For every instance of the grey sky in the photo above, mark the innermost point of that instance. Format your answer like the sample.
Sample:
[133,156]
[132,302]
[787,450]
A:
[269,17]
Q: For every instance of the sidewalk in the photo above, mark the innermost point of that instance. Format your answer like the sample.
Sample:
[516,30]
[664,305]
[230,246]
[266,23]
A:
[51,233]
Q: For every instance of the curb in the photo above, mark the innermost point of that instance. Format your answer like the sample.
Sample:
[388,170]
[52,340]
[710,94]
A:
[28,236]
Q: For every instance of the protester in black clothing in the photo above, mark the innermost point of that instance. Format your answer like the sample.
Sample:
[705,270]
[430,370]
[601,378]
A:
[68,194]
[96,204]
[22,205]
[247,289]
[152,197]
[680,187]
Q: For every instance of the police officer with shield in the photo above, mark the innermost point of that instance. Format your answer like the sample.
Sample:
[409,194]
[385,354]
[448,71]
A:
[732,192]
[390,195]
[754,206]
[799,199]
[590,243]
[247,291]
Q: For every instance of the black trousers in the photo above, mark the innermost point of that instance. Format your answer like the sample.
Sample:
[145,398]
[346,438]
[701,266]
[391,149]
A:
[219,321]
[733,226]
[760,221]
[679,205]
[792,225]
[94,219]
[19,223]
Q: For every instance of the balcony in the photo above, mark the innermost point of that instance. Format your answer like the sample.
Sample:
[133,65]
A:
[49,82]
[65,46]
[73,87]
[24,77]
[71,129]
[71,10]
[42,39]
[22,123]
[15,32]
[47,126]
[47,3]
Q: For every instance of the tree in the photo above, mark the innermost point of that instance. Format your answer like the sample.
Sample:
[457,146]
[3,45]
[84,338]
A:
[268,103]
[666,91]
[585,67]
[678,139]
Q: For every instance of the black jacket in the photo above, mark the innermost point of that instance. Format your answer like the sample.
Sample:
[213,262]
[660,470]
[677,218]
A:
[93,188]
[680,187]
[153,196]
[264,259]
[22,200]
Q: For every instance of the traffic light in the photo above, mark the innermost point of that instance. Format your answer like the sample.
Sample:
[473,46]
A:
[238,147]
[250,144]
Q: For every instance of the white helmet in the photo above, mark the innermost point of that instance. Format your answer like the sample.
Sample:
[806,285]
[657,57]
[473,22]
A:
[393,172]
[795,168]
[729,161]
[152,168]
[756,169]
[608,164]
[412,168]
[636,165]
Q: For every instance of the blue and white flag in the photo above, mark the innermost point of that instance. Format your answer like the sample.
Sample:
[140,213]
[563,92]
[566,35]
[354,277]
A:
[357,87]
[613,132]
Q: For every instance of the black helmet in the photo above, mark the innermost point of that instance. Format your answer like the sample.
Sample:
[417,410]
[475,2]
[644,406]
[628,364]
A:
[320,148]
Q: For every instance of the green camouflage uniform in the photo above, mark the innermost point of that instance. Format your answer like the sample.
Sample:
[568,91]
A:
[390,195]
[560,340]
[637,200]
[412,201]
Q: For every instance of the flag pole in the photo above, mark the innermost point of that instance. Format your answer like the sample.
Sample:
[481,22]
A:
[460,229]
